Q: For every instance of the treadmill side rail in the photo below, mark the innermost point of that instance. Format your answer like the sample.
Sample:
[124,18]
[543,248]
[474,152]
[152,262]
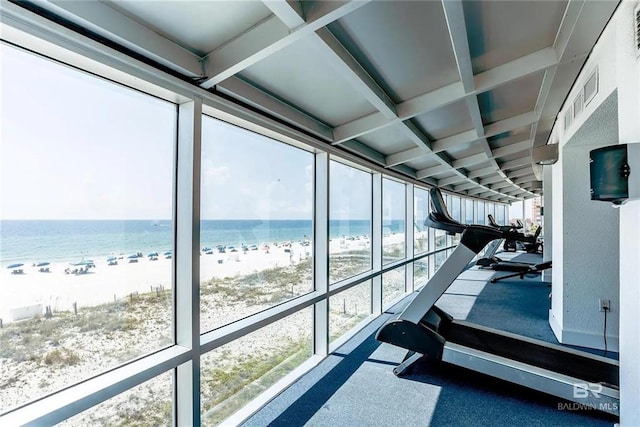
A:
[590,396]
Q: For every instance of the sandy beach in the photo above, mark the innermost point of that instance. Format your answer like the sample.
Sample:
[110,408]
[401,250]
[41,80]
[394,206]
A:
[40,355]
[105,283]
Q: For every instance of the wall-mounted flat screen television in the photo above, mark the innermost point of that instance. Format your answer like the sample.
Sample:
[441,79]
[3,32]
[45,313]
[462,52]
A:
[609,169]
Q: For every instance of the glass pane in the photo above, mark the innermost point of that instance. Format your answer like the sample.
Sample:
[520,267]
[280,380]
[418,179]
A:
[393,285]
[236,373]
[456,213]
[86,194]
[148,404]
[500,216]
[420,273]
[441,239]
[348,308]
[393,220]
[490,210]
[516,212]
[468,211]
[440,258]
[256,225]
[349,221]
[480,213]
[421,210]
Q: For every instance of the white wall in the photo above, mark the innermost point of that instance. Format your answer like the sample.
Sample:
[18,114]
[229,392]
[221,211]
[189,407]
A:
[619,70]
[589,239]
[628,79]
[547,252]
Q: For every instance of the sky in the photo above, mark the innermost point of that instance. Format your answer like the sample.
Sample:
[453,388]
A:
[73,146]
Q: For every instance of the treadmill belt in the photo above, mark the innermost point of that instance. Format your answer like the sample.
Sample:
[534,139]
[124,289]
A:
[555,360]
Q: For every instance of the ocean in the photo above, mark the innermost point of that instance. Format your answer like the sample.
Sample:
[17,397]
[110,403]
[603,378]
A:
[29,241]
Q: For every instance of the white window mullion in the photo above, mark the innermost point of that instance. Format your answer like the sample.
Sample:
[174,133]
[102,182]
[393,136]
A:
[409,228]
[376,242]
[187,262]
[321,254]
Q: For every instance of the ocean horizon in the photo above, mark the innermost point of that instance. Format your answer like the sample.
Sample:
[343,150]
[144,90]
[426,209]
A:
[29,241]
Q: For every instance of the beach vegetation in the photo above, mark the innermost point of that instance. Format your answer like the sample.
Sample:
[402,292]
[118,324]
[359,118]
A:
[62,357]
[230,386]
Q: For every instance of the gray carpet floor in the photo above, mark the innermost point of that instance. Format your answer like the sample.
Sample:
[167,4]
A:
[355,385]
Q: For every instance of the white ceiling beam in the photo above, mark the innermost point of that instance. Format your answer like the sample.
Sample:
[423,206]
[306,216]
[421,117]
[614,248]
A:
[454,16]
[512,148]
[431,171]
[257,43]
[491,180]
[451,180]
[501,184]
[253,96]
[406,110]
[525,179]
[466,137]
[482,172]
[430,101]
[417,136]
[510,124]
[470,160]
[520,172]
[290,13]
[567,25]
[476,191]
[454,92]
[563,36]
[466,186]
[268,37]
[113,25]
[331,51]
[415,153]
[514,164]
[518,68]
[362,126]
[454,141]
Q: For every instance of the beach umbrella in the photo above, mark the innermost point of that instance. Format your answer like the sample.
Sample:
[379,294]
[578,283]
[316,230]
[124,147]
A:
[168,253]
[132,256]
[111,258]
[42,264]
[82,263]
[153,254]
[15,265]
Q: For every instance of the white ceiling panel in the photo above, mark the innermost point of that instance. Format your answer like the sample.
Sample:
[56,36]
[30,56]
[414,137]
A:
[298,75]
[199,26]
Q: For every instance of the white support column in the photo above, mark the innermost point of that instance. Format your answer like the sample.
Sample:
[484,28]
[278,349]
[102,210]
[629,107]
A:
[547,248]
[321,255]
[409,227]
[432,246]
[628,80]
[376,243]
[187,262]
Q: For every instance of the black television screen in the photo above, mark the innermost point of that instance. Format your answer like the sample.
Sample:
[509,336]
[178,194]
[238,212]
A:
[609,173]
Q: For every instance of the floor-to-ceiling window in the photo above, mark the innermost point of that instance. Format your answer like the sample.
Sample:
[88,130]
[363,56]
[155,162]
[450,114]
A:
[421,211]
[86,228]
[393,220]
[350,198]
[256,243]
[256,223]
[93,213]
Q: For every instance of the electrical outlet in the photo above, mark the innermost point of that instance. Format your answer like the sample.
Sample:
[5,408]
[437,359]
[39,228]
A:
[604,304]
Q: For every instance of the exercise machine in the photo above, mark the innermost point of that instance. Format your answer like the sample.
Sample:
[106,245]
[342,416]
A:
[518,269]
[428,332]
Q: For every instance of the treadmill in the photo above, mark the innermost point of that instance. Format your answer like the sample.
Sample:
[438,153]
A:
[427,331]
